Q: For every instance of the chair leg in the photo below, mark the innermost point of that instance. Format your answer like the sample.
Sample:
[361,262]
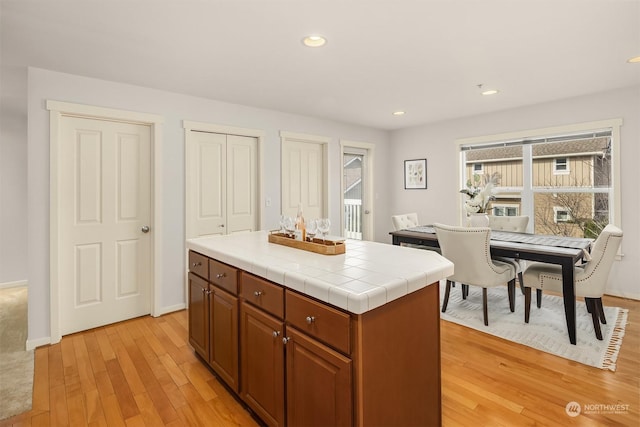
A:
[527,304]
[485,312]
[603,319]
[521,282]
[511,290]
[466,290]
[591,303]
[539,297]
[463,292]
[446,296]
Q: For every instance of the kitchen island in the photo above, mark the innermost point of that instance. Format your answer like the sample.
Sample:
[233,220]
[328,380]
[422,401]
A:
[310,339]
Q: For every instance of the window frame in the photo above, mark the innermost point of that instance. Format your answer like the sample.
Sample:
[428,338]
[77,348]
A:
[560,171]
[612,125]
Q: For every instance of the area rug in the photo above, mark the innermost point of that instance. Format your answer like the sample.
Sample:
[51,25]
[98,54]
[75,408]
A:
[547,328]
[16,364]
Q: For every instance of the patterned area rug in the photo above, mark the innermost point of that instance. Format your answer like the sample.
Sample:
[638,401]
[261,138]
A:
[16,364]
[547,329]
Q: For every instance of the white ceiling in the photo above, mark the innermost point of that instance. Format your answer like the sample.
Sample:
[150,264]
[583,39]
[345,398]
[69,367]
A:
[425,57]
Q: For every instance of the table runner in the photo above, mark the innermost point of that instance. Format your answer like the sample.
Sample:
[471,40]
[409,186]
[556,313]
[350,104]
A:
[534,239]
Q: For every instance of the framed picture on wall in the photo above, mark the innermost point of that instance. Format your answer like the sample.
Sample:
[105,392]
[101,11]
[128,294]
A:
[415,174]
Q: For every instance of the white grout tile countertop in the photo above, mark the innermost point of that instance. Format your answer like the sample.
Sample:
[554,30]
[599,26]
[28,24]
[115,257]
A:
[366,276]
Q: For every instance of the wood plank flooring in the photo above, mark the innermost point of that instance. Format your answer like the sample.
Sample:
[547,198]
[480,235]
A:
[142,372]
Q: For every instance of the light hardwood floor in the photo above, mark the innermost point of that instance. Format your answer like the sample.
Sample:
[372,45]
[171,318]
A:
[142,372]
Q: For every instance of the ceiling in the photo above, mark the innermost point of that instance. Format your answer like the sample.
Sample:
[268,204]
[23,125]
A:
[424,57]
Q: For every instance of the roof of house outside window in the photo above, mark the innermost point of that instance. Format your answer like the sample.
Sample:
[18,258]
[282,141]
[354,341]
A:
[569,148]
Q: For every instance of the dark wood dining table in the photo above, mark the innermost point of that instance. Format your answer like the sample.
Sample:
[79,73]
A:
[564,251]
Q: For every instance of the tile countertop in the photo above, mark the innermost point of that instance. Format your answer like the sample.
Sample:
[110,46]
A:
[366,276]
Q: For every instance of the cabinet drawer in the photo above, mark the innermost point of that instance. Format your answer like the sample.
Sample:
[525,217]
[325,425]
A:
[224,276]
[263,294]
[319,320]
[199,264]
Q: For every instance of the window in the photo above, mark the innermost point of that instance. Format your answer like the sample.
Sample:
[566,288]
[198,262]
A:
[477,169]
[560,166]
[564,178]
[561,214]
[505,210]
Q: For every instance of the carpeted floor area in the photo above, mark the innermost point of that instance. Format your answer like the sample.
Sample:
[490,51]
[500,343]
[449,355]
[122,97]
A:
[16,364]
[547,328]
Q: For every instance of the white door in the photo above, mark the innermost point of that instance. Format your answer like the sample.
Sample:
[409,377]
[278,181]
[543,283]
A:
[206,190]
[303,178]
[221,183]
[104,243]
[242,183]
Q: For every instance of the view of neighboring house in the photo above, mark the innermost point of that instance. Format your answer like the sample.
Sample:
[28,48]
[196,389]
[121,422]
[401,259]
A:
[570,185]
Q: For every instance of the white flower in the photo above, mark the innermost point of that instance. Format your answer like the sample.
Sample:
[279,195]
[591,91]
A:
[480,196]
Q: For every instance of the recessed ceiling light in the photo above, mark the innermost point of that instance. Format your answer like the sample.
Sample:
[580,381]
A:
[398,113]
[489,92]
[314,41]
[634,60]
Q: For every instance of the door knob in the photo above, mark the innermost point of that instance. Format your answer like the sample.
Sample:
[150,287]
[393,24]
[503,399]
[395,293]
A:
[145,229]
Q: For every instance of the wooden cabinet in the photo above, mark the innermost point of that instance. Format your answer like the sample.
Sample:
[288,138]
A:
[319,383]
[303,362]
[213,315]
[262,365]
[199,315]
[223,336]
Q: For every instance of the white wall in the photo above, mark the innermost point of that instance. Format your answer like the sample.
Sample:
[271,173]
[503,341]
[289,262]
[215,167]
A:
[48,85]
[439,203]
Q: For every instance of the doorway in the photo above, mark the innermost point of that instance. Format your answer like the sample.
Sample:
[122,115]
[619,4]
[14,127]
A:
[103,254]
[357,190]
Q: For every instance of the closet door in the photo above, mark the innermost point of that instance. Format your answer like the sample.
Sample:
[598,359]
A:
[206,183]
[221,183]
[242,183]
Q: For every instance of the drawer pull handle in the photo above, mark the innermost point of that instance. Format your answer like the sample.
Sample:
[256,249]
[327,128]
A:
[221,275]
[310,319]
[257,293]
[196,264]
[285,340]
[276,334]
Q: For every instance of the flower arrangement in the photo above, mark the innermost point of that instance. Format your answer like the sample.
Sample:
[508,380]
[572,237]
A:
[480,192]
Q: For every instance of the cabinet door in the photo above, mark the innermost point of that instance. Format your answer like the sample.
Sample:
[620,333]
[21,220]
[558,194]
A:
[223,336]
[319,391]
[199,315]
[262,361]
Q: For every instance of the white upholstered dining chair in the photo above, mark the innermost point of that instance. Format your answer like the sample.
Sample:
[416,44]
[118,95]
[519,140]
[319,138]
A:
[516,224]
[468,249]
[404,221]
[590,278]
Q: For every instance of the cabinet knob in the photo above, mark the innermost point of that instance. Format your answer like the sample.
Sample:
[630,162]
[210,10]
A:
[209,292]
[276,334]
[221,275]
[285,340]
[257,293]
[196,264]
[204,290]
[310,319]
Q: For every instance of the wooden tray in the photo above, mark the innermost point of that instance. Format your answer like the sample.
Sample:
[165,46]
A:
[317,245]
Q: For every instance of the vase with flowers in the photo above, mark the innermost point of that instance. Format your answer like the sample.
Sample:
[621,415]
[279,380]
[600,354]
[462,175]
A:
[479,193]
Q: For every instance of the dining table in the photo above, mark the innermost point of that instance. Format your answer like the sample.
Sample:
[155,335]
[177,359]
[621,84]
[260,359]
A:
[561,250]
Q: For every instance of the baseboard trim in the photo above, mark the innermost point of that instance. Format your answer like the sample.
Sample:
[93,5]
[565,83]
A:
[13,284]
[32,344]
[170,309]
